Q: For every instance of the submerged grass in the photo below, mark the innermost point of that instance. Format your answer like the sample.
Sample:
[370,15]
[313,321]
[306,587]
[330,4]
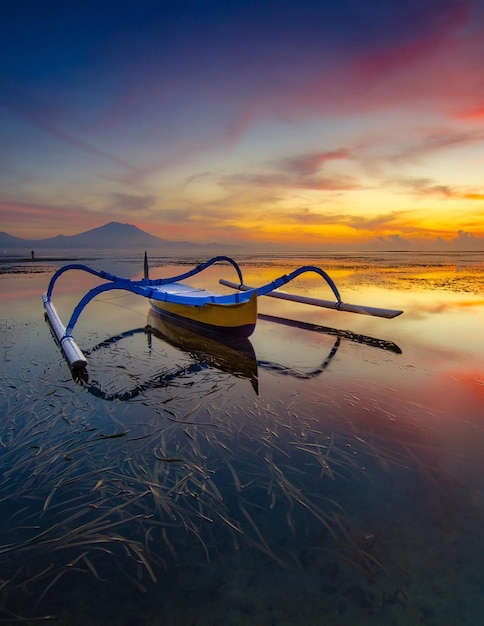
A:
[84,492]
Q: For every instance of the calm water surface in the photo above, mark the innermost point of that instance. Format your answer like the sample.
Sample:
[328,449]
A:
[329,472]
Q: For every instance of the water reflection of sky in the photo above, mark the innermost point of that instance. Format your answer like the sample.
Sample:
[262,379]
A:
[351,474]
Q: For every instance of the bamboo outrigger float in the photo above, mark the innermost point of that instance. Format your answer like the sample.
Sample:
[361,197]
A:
[206,311]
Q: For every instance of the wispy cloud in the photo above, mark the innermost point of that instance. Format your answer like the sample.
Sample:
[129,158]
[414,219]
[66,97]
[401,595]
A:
[423,187]
[33,219]
[45,118]
[122,202]
[310,164]
[304,171]
[434,141]
[307,216]
[280,180]
[433,61]
[371,156]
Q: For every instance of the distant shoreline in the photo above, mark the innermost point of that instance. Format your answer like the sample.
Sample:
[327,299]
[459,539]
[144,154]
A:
[38,259]
[30,267]
[26,265]
[123,262]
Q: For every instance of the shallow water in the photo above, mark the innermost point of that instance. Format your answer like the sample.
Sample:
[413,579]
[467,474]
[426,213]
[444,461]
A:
[329,472]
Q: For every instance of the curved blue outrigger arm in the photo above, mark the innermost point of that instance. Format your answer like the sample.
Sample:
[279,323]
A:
[287,278]
[144,281]
[146,289]
[142,287]
[84,268]
[197,270]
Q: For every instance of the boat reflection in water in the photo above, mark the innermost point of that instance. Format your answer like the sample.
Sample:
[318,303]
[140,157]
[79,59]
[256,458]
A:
[383,344]
[234,355]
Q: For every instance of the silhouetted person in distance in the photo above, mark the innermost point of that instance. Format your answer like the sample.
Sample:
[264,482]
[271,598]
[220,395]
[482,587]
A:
[32,254]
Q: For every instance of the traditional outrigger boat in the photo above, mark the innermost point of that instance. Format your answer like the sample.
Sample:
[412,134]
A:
[207,311]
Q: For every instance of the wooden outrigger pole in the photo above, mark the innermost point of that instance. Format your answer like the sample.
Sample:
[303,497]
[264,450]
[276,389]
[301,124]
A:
[338,305]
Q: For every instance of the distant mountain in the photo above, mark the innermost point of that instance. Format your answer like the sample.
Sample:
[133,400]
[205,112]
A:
[8,241]
[113,235]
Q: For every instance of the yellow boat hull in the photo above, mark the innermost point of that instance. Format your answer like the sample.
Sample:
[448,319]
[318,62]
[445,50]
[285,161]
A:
[227,319]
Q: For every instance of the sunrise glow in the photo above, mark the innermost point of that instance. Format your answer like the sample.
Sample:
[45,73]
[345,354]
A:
[321,125]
